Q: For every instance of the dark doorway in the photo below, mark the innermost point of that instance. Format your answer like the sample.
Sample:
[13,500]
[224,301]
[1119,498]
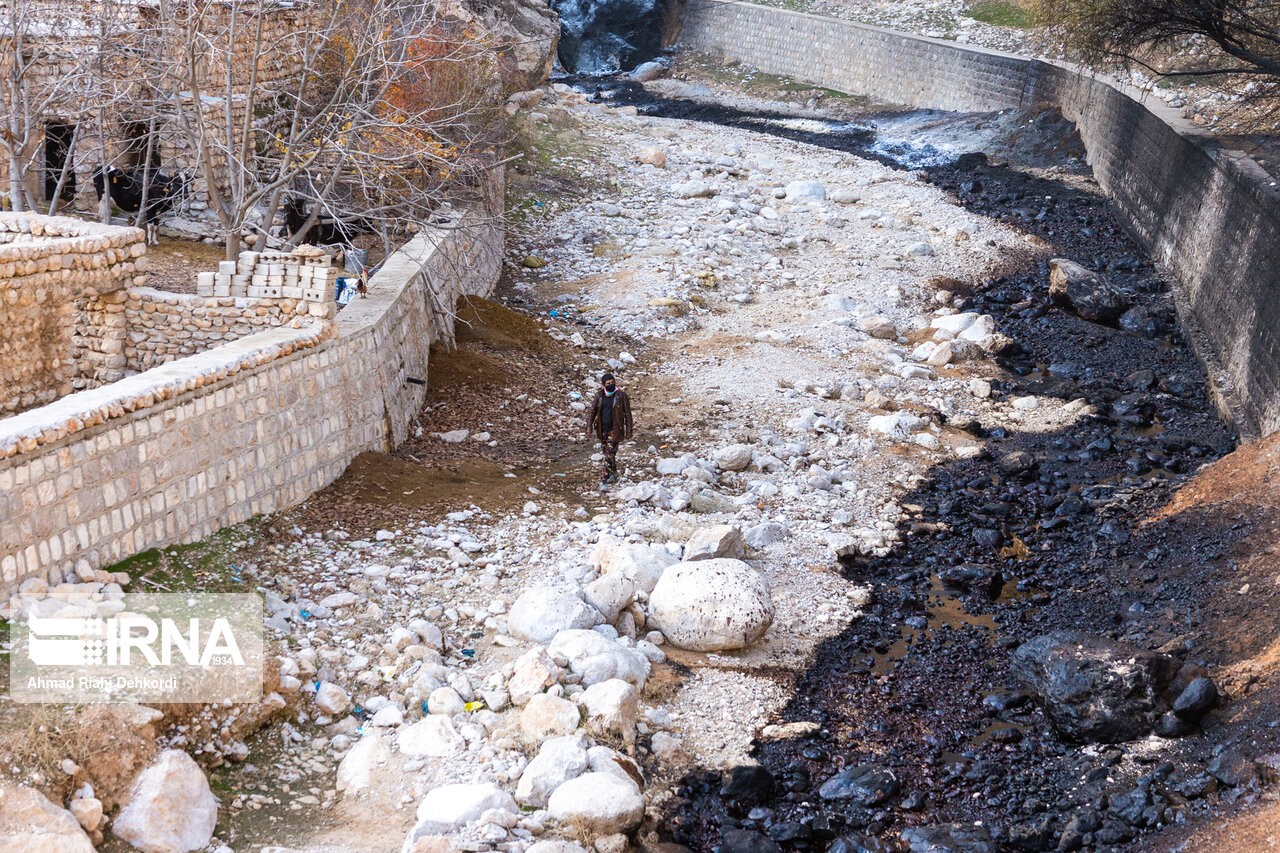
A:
[58,139]
[136,135]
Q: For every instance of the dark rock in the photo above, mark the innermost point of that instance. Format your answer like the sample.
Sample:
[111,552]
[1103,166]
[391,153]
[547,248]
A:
[1112,832]
[1092,688]
[869,784]
[1080,825]
[747,785]
[912,802]
[1233,768]
[973,577]
[1004,700]
[1017,462]
[746,841]
[1086,293]
[1195,787]
[1141,380]
[1032,836]
[1196,700]
[949,838]
[790,830]
[858,843]
[1129,807]
[987,537]
[1171,725]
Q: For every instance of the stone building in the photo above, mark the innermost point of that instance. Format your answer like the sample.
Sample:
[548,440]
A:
[91,72]
[93,102]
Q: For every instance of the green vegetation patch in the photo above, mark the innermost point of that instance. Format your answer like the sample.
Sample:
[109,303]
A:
[1003,13]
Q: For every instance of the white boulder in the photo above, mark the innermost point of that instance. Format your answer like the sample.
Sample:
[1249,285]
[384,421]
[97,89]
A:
[955,323]
[535,671]
[431,737]
[599,803]
[597,658]
[711,605]
[798,191]
[643,565]
[331,699]
[540,613]
[30,823]
[446,701]
[559,760]
[171,808]
[765,534]
[451,807]
[719,540]
[547,716]
[356,767]
[612,707]
[610,594]
[735,457]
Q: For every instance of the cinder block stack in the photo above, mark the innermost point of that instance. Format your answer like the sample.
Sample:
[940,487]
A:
[305,274]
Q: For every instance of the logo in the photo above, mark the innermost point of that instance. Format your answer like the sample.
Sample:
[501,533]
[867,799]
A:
[137,648]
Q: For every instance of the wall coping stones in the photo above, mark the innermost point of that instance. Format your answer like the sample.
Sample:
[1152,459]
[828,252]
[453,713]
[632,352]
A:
[29,430]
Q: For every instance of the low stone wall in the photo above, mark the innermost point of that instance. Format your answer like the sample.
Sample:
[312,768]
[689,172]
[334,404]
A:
[49,346]
[163,326]
[1210,215]
[252,426]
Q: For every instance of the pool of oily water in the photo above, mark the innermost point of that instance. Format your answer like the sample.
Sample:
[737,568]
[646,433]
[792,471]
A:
[1039,534]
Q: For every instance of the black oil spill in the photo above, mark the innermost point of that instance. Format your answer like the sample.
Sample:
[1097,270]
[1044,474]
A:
[994,553]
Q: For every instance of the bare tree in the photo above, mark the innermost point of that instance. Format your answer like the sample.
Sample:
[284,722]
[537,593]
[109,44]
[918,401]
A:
[360,112]
[1244,35]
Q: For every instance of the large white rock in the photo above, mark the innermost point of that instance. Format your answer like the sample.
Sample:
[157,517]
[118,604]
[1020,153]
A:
[535,671]
[897,425]
[693,189]
[556,847]
[450,807]
[446,701]
[548,716]
[675,464]
[30,823]
[711,605]
[643,565]
[559,760]
[956,323]
[718,540]
[612,707]
[979,330]
[331,699]
[765,534]
[609,594]
[171,808]
[597,658]
[806,191]
[599,803]
[735,457]
[356,768]
[540,613]
[431,737]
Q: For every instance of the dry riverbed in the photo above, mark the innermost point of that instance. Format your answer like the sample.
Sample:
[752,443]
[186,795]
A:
[473,650]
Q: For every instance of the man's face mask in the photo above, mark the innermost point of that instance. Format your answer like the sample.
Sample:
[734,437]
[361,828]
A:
[609,388]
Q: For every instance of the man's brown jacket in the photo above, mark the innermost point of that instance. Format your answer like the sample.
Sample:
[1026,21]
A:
[621,417]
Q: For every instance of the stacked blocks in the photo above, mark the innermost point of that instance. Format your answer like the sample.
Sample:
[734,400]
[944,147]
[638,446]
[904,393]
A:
[306,274]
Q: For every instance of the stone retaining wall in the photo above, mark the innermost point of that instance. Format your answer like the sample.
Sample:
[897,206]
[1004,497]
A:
[1211,215]
[163,326]
[47,266]
[252,426]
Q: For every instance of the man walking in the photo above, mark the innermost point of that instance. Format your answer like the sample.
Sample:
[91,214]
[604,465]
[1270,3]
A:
[610,420]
